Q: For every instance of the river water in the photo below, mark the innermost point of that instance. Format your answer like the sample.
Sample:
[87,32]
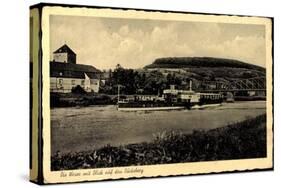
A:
[87,128]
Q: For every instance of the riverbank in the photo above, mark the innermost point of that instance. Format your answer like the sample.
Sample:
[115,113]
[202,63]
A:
[245,139]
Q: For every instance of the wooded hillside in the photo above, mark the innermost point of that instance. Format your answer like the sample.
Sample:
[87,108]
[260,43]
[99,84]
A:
[187,62]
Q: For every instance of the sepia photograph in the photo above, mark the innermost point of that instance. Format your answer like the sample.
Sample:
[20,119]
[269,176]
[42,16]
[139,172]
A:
[130,92]
[140,93]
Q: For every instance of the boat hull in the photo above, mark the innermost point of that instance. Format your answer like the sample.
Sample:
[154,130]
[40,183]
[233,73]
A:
[151,106]
[205,106]
[128,109]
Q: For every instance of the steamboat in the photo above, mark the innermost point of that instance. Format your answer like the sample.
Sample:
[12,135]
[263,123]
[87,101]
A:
[171,99]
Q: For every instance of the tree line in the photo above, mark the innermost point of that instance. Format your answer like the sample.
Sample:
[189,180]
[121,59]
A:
[138,82]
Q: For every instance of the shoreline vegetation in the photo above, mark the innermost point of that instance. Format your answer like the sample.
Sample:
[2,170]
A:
[240,140]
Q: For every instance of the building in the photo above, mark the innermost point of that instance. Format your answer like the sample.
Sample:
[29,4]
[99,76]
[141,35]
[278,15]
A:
[64,55]
[166,71]
[65,74]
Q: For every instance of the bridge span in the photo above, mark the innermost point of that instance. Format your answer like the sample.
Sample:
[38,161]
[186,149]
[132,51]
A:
[249,84]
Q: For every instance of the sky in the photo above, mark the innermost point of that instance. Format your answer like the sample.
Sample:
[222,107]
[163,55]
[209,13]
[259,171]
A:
[135,43]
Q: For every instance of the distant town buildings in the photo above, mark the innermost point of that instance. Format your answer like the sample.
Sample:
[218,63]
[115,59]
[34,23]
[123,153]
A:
[166,71]
[66,74]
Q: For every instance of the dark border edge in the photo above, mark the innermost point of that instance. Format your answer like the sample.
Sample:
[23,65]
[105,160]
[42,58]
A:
[41,5]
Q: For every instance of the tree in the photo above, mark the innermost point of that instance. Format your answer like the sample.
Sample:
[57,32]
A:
[78,90]
[118,66]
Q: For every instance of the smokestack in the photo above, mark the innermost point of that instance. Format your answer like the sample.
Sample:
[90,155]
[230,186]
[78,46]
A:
[190,85]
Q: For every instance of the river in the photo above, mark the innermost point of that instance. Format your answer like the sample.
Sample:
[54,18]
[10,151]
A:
[87,128]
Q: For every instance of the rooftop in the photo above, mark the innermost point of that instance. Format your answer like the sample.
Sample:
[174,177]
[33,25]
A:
[68,70]
[64,49]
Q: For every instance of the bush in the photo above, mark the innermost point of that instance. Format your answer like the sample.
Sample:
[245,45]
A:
[78,90]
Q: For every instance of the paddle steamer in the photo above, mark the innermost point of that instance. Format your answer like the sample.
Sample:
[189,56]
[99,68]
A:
[171,99]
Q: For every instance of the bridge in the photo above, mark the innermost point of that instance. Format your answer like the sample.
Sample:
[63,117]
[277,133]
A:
[249,84]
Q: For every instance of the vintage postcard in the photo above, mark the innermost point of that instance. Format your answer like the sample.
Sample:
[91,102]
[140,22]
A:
[134,93]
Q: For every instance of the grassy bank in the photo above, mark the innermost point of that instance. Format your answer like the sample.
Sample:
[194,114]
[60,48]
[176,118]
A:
[246,139]
[249,98]
[74,99]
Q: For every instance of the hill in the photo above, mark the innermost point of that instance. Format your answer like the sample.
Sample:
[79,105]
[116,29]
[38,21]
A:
[189,62]
[206,68]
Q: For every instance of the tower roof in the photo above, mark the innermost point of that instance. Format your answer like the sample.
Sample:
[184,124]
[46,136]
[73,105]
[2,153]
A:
[64,49]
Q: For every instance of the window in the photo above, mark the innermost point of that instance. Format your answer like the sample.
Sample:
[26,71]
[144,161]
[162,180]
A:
[60,85]
[82,82]
[73,82]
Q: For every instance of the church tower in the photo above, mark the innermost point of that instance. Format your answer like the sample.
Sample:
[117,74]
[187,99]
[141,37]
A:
[64,55]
